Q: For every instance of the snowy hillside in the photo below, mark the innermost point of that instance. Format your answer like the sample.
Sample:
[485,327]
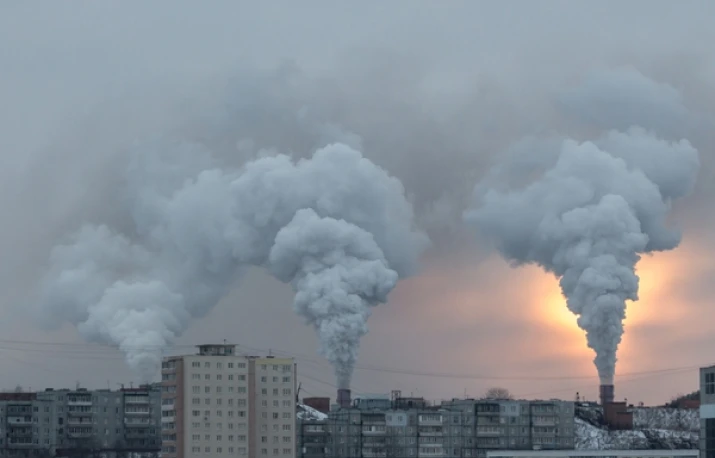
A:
[304,412]
[662,418]
[655,428]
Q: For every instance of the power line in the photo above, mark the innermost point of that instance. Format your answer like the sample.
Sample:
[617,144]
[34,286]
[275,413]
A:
[86,350]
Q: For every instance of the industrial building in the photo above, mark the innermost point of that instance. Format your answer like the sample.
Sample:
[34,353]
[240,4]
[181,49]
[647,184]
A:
[81,422]
[410,427]
[217,403]
[707,412]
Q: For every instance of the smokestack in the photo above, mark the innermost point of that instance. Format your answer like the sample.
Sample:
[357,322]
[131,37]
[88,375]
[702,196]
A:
[344,398]
[606,392]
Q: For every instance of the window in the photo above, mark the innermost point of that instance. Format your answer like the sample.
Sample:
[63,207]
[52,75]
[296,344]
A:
[286,428]
[286,451]
[230,389]
[207,377]
[241,365]
[241,389]
[195,389]
[286,403]
[286,439]
[241,403]
[242,377]
[196,364]
[207,364]
[207,389]
[218,389]
[264,403]
[263,367]
[195,413]
[230,376]
[286,379]
[275,379]
[195,376]
[275,391]
[710,383]
[219,366]
[275,415]
[264,391]
[286,415]
[286,391]
[264,379]
[219,377]
[275,403]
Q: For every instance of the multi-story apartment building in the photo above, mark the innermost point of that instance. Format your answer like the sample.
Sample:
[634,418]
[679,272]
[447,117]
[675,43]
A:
[707,412]
[455,429]
[312,438]
[25,425]
[217,403]
[80,422]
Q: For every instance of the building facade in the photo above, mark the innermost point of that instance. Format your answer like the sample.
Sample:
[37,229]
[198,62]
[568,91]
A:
[707,412]
[80,422]
[454,429]
[217,403]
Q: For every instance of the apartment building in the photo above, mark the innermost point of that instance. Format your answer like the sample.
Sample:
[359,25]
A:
[79,422]
[454,429]
[707,412]
[218,403]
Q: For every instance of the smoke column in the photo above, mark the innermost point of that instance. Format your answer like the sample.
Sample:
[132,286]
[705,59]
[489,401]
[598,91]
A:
[336,227]
[588,219]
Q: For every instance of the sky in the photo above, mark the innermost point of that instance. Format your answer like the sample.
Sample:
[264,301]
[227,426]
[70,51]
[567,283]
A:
[437,93]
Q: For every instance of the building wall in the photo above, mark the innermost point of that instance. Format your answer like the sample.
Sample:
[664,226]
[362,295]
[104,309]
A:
[65,420]
[459,428]
[707,412]
[229,405]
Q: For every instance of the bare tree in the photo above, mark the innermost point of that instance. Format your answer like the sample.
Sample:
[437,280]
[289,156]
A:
[497,393]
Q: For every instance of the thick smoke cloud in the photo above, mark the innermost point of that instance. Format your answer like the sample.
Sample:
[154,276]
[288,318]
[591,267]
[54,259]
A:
[335,226]
[588,219]
[622,97]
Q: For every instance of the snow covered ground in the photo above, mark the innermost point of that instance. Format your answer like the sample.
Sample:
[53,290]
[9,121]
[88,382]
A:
[654,428]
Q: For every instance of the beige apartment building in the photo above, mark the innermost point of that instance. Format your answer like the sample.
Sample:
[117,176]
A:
[217,403]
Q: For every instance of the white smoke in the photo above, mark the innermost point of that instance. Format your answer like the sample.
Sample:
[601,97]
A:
[335,226]
[588,219]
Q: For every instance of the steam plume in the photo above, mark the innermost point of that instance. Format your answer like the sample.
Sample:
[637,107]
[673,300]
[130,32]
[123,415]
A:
[335,226]
[588,219]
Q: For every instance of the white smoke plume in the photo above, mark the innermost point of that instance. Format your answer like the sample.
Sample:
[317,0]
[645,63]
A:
[335,226]
[588,219]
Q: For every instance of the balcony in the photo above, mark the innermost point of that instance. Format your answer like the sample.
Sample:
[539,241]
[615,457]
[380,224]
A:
[79,432]
[430,431]
[374,453]
[435,420]
[548,421]
[80,421]
[139,421]
[136,399]
[20,442]
[80,413]
[79,400]
[373,430]
[23,420]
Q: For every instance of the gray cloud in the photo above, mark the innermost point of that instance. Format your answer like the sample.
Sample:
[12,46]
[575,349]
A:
[434,93]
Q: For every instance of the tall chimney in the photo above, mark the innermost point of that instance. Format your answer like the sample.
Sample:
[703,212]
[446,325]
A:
[344,398]
[606,392]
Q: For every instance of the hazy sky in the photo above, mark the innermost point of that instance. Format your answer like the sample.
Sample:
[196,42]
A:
[435,92]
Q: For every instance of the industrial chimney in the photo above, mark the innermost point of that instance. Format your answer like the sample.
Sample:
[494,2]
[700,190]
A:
[344,398]
[606,392]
